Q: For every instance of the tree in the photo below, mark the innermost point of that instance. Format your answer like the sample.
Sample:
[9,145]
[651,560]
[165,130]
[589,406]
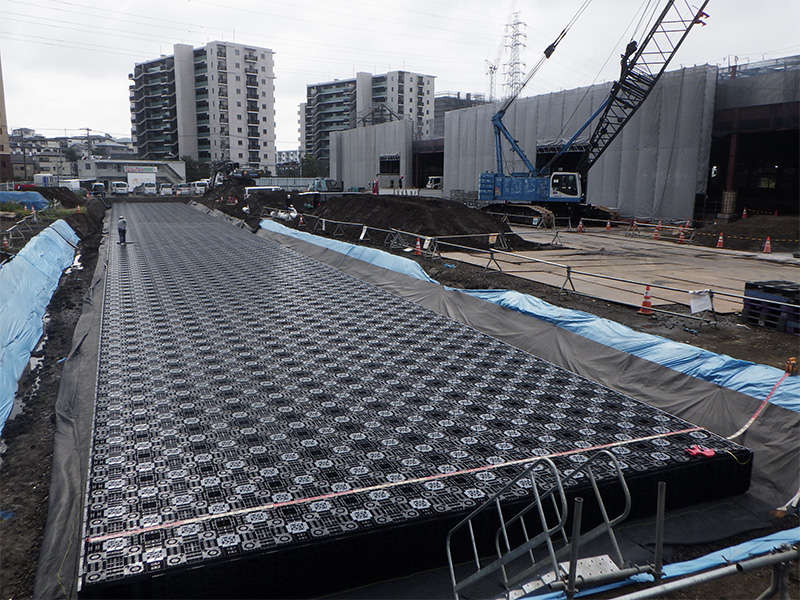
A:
[195,169]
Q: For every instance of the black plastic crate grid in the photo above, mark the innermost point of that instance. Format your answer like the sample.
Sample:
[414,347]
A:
[237,375]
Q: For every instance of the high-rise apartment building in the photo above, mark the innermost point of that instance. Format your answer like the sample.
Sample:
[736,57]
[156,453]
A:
[366,99]
[212,103]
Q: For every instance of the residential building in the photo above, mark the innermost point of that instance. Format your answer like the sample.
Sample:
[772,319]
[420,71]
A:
[212,103]
[366,99]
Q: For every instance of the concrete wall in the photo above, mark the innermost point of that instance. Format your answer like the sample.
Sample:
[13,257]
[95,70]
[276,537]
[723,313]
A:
[355,153]
[653,169]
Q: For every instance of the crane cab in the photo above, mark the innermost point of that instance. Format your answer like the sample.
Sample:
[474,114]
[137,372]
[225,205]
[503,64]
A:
[565,186]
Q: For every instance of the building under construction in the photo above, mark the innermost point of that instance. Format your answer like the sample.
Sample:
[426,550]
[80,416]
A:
[709,140]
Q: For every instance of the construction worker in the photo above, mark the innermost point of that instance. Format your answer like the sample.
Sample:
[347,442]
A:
[122,229]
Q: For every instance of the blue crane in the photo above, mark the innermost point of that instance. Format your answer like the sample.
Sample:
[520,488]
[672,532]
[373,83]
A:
[642,65]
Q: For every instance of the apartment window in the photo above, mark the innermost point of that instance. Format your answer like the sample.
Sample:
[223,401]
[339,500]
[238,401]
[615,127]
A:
[236,52]
[238,78]
[241,155]
[238,130]
[239,103]
[238,65]
[239,91]
[240,142]
[238,117]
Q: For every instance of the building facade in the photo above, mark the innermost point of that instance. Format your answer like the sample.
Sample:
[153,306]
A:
[212,103]
[365,100]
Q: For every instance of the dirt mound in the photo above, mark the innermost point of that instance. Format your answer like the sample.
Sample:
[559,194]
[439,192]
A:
[88,223]
[65,196]
[751,233]
[229,198]
[429,217]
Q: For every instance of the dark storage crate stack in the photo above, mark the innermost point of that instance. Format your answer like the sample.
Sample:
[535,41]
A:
[268,426]
[760,308]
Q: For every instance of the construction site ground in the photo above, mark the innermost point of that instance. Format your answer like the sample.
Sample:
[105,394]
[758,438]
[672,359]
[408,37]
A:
[27,440]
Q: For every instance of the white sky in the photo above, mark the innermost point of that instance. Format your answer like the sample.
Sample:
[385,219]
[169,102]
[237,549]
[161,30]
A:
[65,62]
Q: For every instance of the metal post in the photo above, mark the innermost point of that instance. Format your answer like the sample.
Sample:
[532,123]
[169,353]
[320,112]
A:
[659,557]
[573,554]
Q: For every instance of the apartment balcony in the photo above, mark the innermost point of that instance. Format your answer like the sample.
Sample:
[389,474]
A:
[250,71]
[250,57]
[251,81]
[251,94]
[203,120]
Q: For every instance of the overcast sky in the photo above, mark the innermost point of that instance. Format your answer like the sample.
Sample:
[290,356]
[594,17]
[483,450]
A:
[66,62]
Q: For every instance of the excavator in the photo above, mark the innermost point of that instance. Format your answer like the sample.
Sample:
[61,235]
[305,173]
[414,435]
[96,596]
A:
[549,191]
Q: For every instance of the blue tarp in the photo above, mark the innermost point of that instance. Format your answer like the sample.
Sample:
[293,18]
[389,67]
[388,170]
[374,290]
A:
[371,255]
[26,199]
[27,283]
[742,376]
[720,558]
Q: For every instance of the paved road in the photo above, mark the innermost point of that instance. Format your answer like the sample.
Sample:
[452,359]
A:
[645,262]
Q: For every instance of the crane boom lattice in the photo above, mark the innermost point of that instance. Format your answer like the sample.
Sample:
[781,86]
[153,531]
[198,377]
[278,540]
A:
[641,67]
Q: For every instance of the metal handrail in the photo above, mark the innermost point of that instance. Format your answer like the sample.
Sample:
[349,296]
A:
[505,554]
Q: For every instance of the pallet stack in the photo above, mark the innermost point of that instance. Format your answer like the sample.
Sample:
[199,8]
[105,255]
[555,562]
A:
[759,308]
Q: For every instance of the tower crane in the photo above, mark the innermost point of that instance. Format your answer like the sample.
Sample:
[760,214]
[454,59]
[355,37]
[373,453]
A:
[642,65]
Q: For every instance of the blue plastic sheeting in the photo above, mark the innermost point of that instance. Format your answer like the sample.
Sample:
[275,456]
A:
[739,375]
[373,256]
[720,558]
[27,283]
[26,199]
[743,376]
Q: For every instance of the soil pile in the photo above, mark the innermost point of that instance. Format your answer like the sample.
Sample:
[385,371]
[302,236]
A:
[751,233]
[428,217]
[65,196]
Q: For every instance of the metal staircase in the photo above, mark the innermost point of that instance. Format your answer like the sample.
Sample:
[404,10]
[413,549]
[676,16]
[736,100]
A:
[512,555]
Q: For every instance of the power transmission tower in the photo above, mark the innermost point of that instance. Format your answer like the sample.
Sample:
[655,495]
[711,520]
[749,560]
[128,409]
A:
[515,67]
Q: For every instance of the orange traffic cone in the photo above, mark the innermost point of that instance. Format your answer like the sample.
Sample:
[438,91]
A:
[608,225]
[647,303]
[580,226]
[767,247]
[4,245]
[681,238]
[79,208]
[418,249]
[744,213]
[719,241]
[655,233]
[302,222]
